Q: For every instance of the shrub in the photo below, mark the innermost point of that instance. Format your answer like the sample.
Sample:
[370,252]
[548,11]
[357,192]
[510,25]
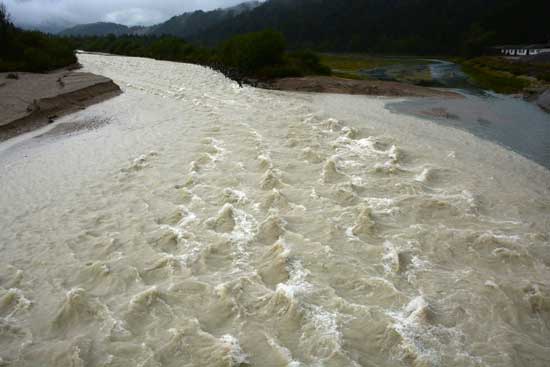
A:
[309,63]
[254,51]
[280,71]
[497,81]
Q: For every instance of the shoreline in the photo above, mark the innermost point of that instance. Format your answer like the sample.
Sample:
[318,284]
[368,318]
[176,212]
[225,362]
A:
[336,85]
[33,100]
[29,101]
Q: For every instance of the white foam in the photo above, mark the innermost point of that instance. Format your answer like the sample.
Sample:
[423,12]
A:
[235,196]
[238,357]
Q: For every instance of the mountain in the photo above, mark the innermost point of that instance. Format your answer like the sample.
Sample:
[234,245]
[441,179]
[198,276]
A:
[408,26]
[183,25]
[102,29]
[51,26]
[189,24]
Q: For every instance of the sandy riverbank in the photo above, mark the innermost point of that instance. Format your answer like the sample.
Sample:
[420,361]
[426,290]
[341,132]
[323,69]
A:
[327,84]
[30,101]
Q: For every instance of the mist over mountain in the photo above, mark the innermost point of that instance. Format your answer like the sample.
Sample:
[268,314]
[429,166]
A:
[184,25]
[51,26]
[102,29]
[189,24]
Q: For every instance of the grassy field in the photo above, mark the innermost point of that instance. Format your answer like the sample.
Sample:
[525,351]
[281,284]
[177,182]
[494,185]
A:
[491,73]
[348,65]
[495,80]
[503,75]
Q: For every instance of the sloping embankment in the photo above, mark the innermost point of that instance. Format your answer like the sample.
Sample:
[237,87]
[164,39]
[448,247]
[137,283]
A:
[34,100]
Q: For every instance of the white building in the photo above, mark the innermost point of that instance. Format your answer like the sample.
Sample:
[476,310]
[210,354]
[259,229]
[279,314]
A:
[522,50]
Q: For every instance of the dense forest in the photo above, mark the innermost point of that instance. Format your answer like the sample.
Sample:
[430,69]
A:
[394,26]
[31,51]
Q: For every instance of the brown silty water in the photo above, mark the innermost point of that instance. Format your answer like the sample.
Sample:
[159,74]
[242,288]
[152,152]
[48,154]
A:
[209,225]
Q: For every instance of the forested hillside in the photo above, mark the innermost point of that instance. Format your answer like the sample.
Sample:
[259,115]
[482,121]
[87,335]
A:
[184,25]
[102,29]
[394,26]
[29,50]
[189,24]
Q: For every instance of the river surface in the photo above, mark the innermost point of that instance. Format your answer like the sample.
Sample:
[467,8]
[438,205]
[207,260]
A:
[511,122]
[190,222]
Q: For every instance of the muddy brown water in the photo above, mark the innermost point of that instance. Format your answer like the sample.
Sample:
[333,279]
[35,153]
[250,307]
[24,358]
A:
[212,225]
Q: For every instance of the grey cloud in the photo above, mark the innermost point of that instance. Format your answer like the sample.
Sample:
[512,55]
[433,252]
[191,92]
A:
[129,12]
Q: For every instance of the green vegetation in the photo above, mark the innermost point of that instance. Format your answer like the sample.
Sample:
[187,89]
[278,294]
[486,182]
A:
[163,48]
[467,29]
[254,51]
[505,75]
[349,65]
[492,79]
[539,71]
[354,62]
[31,51]
[258,55]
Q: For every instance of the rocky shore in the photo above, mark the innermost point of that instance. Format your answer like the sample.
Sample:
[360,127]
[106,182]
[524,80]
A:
[29,101]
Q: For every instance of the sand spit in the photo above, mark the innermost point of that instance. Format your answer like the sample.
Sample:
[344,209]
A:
[30,101]
[327,84]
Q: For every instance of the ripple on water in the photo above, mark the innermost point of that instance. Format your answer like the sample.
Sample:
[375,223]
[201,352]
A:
[203,226]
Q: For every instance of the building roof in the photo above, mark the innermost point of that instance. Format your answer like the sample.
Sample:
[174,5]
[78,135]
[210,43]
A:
[528,47]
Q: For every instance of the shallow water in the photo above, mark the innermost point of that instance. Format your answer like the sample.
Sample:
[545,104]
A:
[207,225]
[512,122]
[427,72]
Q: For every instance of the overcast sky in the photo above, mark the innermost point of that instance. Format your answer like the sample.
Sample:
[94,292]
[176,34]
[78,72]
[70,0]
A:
[129,12]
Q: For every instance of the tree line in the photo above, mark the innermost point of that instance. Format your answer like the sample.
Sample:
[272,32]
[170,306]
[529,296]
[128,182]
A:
[31,51]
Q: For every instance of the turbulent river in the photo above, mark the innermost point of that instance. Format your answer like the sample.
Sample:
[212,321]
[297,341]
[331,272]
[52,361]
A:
[190,222]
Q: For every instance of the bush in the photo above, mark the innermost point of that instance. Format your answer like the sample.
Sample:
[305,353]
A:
[497,81]
[254,51]
[504,75]
[309,63]
[280,71]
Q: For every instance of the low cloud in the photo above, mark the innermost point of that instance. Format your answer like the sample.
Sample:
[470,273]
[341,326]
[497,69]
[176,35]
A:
[128,12]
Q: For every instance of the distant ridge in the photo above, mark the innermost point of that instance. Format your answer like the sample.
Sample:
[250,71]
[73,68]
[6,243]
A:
[184,25]
[102,29]
[189,24]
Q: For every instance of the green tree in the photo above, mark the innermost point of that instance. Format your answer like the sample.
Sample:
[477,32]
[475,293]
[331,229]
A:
[254,51]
